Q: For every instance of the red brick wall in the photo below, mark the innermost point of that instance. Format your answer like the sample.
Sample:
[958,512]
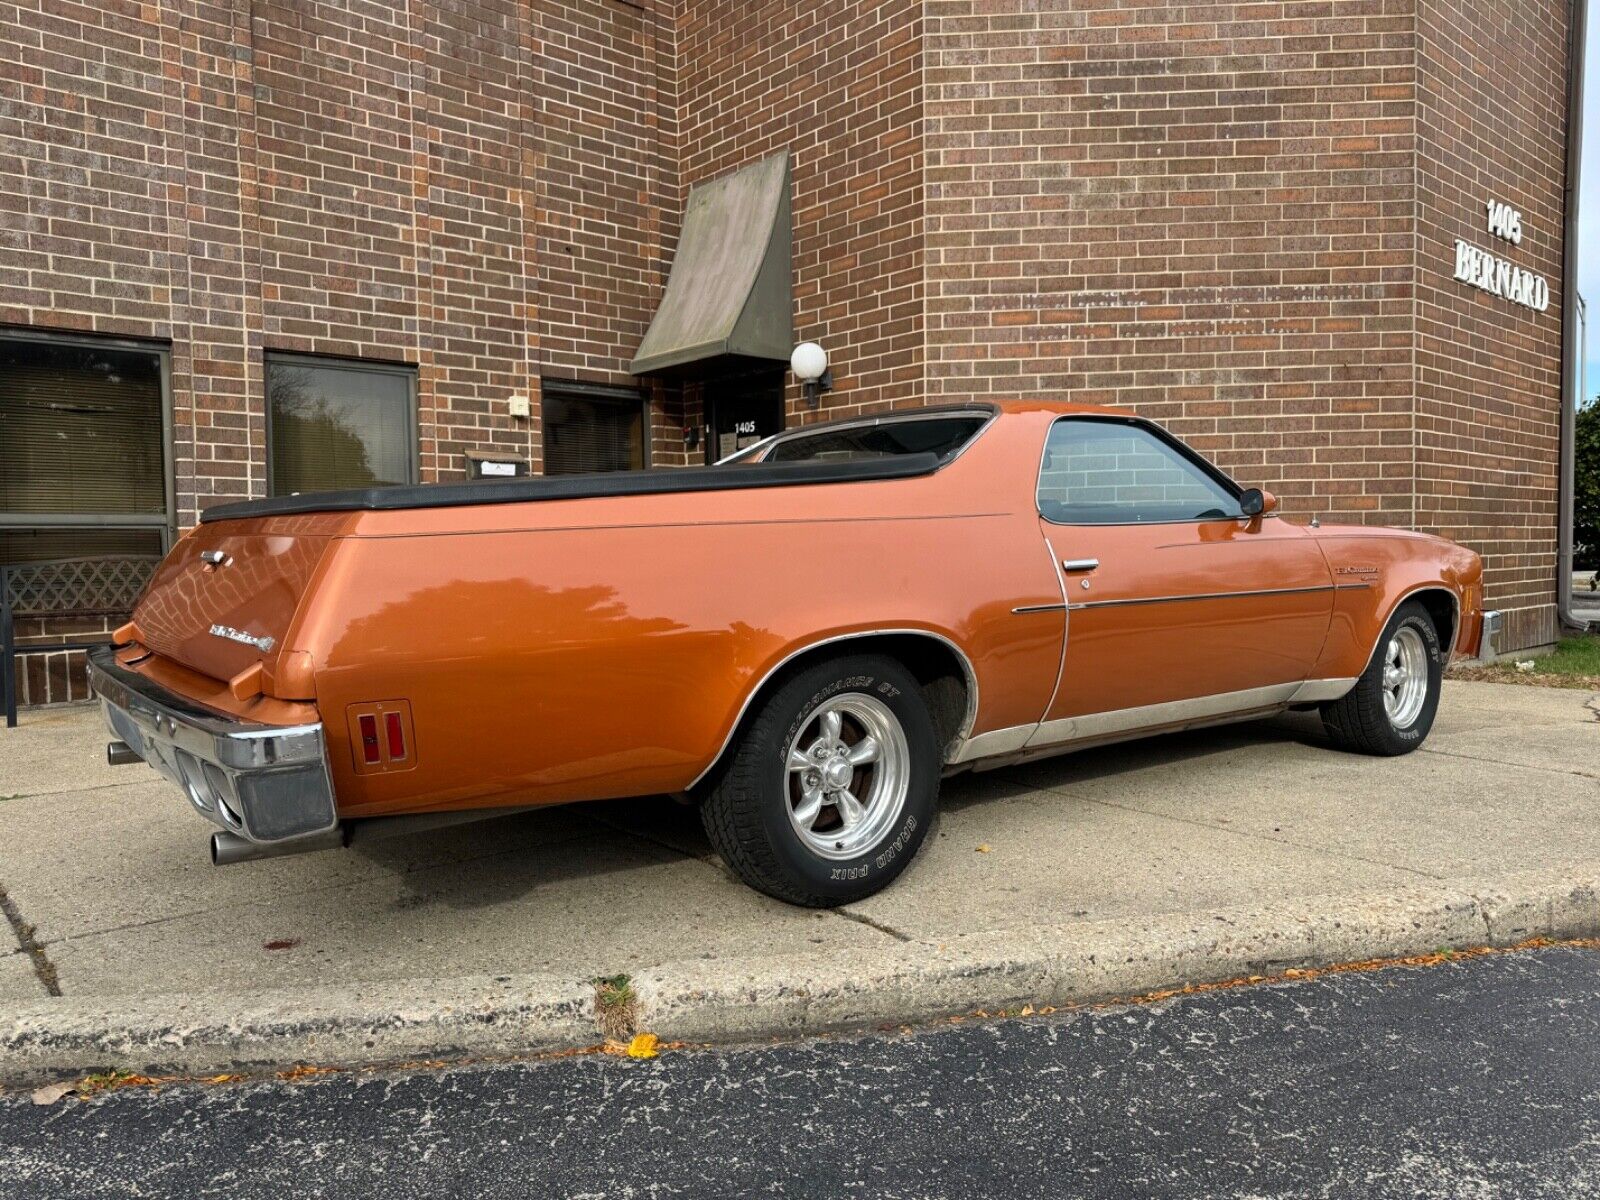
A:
[1491,126]
[1204,214]
[473,189]
[839,84]
[1239,220]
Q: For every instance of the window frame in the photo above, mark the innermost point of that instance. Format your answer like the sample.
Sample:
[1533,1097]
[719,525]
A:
[1209,469]
[166,522]
[360,365]
[986,413]
[577,389]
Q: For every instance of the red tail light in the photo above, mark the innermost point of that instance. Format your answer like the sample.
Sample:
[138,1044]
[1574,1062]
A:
[397,736]
[369,738]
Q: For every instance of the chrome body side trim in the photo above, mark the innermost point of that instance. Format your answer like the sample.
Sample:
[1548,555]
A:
[1292,591]
[1316,691]
[958,740]
[263,783]
[1154,716]
[1132,722]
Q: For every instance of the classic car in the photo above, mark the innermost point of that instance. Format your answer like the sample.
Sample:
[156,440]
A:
[801,640]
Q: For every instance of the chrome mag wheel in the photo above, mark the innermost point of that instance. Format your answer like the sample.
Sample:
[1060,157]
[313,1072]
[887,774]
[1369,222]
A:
[1405,677]
[849,769]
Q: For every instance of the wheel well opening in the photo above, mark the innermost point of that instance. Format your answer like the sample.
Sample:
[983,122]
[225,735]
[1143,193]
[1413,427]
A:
[937,667]
[1441,609]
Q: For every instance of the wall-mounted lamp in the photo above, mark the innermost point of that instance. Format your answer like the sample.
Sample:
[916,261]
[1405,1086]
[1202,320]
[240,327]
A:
[809,362]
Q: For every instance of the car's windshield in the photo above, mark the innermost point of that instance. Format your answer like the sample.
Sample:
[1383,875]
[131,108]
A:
[853,443]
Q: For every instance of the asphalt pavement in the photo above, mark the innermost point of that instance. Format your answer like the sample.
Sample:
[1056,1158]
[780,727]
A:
[1474,1079]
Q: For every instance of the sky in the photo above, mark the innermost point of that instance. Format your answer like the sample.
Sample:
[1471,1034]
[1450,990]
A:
[1589,198]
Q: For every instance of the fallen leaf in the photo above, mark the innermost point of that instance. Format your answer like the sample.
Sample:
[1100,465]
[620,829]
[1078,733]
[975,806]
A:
[49,1095]
[985,848]
[643,1045]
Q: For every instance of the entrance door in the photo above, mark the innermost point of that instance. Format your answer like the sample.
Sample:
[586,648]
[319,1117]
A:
[1178,607]
[741,410]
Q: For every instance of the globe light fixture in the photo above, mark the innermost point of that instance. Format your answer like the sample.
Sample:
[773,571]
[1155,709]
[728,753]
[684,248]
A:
[809,362]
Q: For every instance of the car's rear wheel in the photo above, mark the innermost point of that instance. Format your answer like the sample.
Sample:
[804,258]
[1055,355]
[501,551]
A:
[831,786]
[1391,708]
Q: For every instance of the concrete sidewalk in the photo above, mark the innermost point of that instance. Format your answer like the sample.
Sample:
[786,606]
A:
[1144,865]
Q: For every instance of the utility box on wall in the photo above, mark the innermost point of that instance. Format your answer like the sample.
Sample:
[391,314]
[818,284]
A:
[494,466]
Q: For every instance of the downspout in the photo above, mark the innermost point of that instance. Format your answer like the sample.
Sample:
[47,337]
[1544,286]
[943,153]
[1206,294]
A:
[1570,348]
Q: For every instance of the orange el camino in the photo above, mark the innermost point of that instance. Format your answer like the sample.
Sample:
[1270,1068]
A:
[801,641]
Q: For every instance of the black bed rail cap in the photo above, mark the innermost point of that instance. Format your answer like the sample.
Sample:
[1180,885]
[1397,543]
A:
[733,477]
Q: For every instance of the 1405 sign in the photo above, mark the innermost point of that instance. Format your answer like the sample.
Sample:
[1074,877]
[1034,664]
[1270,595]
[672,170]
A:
[1499,276]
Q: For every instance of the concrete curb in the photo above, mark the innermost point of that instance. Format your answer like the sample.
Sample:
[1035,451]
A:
[741,1000]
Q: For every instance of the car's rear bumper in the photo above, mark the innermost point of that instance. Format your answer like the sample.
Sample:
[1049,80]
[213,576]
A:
[265,783]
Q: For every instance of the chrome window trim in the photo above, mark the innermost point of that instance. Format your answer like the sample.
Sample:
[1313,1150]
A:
[987,414]
[959,739]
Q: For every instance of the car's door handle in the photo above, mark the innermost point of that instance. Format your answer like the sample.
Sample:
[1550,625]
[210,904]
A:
[1079,564]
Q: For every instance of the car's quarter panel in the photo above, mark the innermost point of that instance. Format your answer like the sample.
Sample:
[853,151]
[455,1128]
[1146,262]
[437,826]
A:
[1183,610]
[608,647]
[1376,570]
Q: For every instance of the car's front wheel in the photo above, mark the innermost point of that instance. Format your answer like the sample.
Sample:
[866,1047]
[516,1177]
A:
[832,785]
[1391,708]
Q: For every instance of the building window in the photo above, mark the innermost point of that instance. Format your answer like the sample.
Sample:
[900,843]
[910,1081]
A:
[333,424]
[592,429]
[83,449]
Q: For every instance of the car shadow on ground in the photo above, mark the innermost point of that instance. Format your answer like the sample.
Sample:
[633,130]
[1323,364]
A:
[501,860]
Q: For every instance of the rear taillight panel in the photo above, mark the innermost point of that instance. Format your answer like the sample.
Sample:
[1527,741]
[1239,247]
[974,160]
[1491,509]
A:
[381,736]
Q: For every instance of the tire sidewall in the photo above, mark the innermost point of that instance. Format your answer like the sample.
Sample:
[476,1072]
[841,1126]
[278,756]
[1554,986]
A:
[1416,733]
[886,681]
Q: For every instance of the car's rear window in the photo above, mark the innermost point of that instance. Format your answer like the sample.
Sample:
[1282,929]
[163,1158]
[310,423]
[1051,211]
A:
[935,435]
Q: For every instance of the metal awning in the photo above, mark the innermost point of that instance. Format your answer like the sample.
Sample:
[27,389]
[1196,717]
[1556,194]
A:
[730,293]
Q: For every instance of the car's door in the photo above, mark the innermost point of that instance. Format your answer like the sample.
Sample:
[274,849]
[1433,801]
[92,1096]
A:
[1178,607]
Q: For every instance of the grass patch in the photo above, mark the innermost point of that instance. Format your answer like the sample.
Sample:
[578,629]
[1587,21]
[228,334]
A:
[616,1006]
[1574,663]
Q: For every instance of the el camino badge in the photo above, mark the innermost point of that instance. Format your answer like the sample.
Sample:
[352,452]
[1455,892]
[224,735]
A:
[263,644]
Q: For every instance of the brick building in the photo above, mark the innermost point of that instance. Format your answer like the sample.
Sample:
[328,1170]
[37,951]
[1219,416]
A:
[270,245]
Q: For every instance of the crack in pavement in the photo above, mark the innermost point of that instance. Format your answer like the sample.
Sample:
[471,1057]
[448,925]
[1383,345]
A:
[43,968]
[1500,762]
[871,923]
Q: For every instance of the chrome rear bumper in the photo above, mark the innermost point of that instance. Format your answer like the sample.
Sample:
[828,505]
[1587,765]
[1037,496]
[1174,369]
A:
[264,783]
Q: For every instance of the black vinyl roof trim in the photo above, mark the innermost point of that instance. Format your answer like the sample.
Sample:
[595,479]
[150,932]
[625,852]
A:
[580,487]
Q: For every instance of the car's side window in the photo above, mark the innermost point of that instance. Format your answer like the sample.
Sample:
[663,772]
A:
[1109,472]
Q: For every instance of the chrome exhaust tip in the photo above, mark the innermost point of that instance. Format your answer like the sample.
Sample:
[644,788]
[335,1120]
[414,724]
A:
[229,848]
[120,754]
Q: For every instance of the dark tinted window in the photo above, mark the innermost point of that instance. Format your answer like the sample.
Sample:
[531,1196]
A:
[585,433]
[936,435]
[1111,473]
[339,425]
[82,450]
